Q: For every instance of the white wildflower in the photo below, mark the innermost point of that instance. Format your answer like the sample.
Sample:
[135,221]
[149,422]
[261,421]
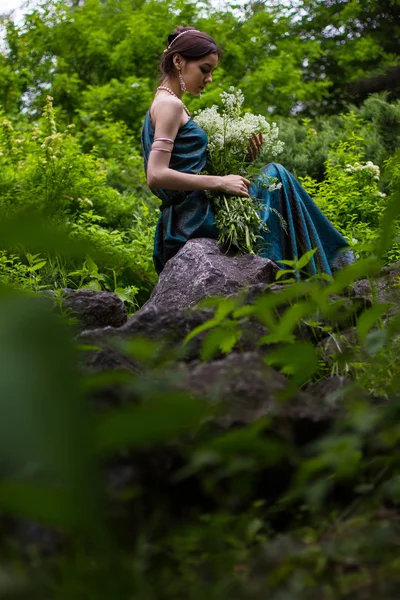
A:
[6,123]
[229,133]
[275,186]
[369,167]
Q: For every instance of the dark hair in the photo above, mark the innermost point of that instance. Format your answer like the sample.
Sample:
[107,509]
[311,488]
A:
[190,46]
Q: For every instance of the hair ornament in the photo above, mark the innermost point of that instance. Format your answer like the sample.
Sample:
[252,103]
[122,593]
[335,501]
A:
[179,35]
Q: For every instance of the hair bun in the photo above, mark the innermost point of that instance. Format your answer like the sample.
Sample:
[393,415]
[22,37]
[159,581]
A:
[178,30]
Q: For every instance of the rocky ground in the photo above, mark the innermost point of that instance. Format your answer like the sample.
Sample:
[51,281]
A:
[244,387]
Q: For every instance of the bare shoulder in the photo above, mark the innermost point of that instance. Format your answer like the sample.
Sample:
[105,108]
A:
[167,108]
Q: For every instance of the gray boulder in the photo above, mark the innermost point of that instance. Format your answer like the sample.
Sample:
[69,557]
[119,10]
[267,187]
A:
[94,309]
[200,270]
[330,391]
[249,390]
[386,287]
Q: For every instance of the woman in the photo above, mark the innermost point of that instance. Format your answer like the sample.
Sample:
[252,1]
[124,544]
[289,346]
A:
[175,151]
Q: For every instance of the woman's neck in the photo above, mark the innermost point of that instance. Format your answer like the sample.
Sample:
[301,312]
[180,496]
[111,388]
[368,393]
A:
[173,85]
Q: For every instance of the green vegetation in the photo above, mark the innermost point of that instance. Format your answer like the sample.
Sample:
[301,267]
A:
[271,517]
[77,79]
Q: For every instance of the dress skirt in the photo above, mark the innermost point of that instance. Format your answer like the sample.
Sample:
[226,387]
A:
[191,215]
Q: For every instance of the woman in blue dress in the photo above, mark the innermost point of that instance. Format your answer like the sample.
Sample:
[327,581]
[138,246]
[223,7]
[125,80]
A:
[175,152]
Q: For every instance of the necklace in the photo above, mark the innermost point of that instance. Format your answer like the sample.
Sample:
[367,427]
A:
[167,89]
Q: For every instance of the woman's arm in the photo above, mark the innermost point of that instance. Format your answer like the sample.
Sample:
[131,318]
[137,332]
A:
[167,118]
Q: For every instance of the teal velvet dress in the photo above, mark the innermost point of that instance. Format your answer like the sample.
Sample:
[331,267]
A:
[188,215]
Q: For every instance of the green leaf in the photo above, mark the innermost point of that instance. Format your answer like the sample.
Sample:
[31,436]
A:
[211,343]
[271,300]
[43,419]
[305,258]
[87,347]
[229,341]
[299,360]
[224,308]
[282,273]
[290,263]
[369,317]
[323,276]
[275,338]
[243,311]
[292,317]
[92,285]
[44,503]
[219,339]
[375,341]
[366,267]
[38,265]
[200,328]
[141,348]
[31,257]
[389,221]
[91,265]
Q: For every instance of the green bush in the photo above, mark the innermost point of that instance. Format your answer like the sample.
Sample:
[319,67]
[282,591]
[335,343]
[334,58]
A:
[46,171]
[308,141]
[350,195]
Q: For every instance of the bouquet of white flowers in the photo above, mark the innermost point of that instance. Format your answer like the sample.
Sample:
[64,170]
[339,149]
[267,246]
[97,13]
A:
[238,219]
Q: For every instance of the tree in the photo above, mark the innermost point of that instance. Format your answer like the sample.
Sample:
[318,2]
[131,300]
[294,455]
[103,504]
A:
[360,47]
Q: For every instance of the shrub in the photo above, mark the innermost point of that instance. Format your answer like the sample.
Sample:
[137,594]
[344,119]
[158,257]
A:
[46,171]
[350,196]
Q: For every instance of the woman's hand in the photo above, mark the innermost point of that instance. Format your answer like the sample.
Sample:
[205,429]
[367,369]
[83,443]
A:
[235,185]
[254,148]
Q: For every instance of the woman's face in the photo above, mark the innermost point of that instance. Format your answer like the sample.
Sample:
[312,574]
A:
[198,73]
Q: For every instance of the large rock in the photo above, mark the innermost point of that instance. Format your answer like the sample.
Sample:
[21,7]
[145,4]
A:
[93,309]
[330,391]
[200,270]
[244,390]
[249,389]
[385,288]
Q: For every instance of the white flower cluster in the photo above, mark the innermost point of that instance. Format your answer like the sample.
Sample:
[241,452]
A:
[369,167]
[229,133]
[232,102]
